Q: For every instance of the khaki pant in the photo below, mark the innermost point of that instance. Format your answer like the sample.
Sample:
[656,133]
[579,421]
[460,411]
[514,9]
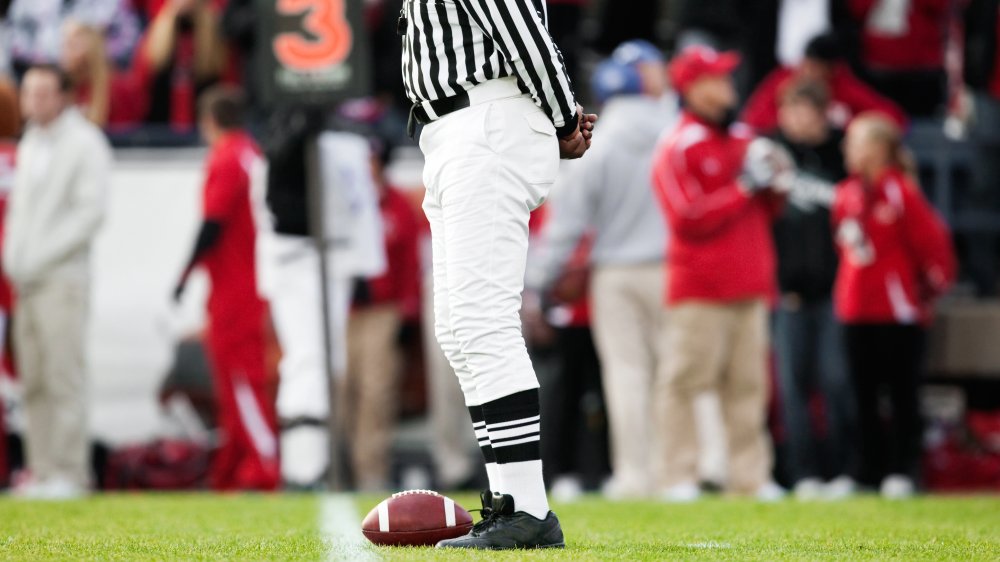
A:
[721,348]
[49,329]
[370,392]
[628,320]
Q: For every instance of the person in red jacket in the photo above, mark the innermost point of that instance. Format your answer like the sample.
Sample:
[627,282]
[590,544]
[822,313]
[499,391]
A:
[903,49]
[896,258]
[719,212]
[824,63]
[247,457]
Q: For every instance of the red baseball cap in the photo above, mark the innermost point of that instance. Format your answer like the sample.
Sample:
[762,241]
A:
[696,62]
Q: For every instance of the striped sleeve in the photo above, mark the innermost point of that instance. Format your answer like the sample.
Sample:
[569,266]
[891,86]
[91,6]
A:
[517,28]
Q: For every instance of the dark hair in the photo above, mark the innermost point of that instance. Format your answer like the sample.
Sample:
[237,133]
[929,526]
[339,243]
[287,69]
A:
[226,106]
[814,93]
[65,82]
[825,48]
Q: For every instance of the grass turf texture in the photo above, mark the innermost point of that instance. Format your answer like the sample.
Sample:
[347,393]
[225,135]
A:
[209,527]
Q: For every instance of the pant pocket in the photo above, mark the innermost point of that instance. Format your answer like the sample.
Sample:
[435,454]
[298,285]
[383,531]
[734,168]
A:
[525,140]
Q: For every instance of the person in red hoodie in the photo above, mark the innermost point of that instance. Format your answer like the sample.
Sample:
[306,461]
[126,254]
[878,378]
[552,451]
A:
[823,63]
[719,210]
[247,457]
[896,258]
[903,49]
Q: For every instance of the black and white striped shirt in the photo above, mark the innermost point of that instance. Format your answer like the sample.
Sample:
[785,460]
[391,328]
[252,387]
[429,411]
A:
[450,46]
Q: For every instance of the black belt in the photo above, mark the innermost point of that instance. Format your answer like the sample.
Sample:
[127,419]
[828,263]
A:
[441,107]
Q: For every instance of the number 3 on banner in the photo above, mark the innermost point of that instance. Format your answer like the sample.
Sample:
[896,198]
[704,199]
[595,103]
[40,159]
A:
[331,41]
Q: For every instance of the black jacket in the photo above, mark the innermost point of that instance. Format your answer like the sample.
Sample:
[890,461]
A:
[803,235]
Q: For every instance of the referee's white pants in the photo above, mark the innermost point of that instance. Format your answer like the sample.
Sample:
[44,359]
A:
[486,168]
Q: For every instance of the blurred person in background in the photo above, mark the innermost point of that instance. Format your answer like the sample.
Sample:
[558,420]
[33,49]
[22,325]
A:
[719,207]
[982,79]
[181,54]
[823,63]
[369,397]
[737,25]
[247,455]
[575,454]
[896,259]
[290,273]
[903,50]
[104,95]
[10,112]
[609,194]
[36,28]
[55,210]
[807,337]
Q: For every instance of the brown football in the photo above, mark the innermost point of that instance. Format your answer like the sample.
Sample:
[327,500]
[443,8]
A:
[415,518]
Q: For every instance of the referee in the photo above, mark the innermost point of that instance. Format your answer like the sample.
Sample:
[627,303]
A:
[498,110]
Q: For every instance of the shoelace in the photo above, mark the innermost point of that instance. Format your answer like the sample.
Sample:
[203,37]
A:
[486,522]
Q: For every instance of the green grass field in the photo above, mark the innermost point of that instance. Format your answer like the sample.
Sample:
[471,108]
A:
[303,527]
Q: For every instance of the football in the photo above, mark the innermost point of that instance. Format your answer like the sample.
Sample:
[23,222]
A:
[416,518]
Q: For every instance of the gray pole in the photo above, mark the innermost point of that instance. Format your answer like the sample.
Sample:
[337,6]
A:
[317,220]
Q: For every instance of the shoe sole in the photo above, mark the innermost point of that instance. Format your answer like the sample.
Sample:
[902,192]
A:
[536,547]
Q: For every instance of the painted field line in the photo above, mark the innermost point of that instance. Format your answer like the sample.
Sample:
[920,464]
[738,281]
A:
[341,530]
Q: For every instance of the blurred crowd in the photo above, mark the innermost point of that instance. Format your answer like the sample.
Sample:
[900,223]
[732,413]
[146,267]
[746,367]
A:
[746,258]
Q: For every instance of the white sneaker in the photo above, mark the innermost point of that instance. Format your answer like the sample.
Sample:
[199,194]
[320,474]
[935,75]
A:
[618,489]
[770,492]
[61,489]
[55,489]
[808,489]
[27,491]
[681,493]
[840,488]
[566,489]
[897,487]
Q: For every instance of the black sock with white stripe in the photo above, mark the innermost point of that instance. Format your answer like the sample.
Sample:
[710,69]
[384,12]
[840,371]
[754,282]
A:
[482,436]
[513,424]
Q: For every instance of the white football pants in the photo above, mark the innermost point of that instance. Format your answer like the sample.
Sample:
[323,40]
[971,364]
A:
[486,168]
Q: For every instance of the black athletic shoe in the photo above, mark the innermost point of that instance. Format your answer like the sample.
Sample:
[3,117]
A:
[502,528]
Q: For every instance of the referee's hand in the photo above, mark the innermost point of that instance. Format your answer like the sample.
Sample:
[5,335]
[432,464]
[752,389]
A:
[576,143]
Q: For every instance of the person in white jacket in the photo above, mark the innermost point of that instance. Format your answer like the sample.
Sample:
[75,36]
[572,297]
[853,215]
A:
[609,195]
[55,209]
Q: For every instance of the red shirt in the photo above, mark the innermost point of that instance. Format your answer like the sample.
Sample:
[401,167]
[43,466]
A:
[895,252]
[849,96]
[902,41]
[720,246]
[234,300]
[401,281]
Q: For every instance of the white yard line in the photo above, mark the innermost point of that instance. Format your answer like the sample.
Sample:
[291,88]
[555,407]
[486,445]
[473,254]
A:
[710,545]
[341,529]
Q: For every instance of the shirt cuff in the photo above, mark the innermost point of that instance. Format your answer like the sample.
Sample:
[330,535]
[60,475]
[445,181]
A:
[567,129]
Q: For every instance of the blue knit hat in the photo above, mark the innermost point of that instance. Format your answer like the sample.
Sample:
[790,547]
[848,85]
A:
[612,78]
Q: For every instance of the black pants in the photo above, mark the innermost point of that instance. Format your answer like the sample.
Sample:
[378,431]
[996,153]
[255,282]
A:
[574,428]
[885,362]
